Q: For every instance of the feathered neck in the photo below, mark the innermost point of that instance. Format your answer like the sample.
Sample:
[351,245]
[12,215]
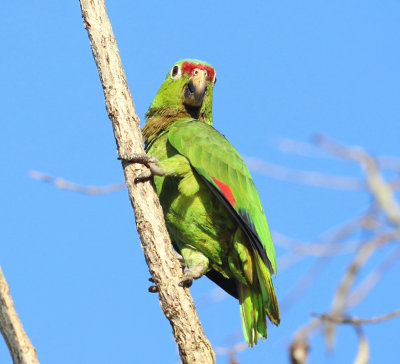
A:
[159,120]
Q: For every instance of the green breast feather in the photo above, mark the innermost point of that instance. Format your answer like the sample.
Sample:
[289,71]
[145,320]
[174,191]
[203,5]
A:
[217,161]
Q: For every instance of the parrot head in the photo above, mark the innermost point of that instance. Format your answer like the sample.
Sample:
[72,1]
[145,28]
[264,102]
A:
[185,92]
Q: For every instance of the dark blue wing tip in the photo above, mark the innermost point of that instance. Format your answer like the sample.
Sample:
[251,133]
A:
[245,216]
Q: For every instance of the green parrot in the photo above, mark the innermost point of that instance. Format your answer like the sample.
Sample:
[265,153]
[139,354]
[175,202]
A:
[211,206]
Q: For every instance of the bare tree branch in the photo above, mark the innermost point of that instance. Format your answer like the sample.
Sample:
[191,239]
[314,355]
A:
[328,244]
[175,301]
[313,249]
[304,177]
[237,348]
[303,282]
[381,190]
[362,356]
[339,300]
[304,149]
[308,150]
[19,345]
[75,187]
[358,321]
[298,349]
[381,222]
[373,278]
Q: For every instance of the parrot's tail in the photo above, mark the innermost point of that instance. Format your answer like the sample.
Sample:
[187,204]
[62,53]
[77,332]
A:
[268,292]
[256,303]
[254,323]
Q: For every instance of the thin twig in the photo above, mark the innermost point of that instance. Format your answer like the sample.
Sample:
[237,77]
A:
[304,177]
[75,187]
[331,241]
[308,150]
[237,348]
[339,300]
[313,249]
[373,278]
[344,230]
[299,348]
[358,321]
[305,149]
[385,204]
[304,282]
[345,284]
[362,356]
[381,190]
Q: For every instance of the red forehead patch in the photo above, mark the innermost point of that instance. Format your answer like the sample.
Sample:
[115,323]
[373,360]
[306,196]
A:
[189,67]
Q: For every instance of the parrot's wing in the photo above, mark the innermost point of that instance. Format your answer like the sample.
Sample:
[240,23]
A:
[227,176]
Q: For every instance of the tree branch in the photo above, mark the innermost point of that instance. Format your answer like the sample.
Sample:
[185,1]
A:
[357,321]
[363,348]
[19,345]
[175,301]
[368,283]
[299,348]
[381,190]
[75,187]
[340,298]
[304,177]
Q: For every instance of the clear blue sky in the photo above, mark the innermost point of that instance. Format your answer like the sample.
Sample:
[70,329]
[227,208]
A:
[285,69]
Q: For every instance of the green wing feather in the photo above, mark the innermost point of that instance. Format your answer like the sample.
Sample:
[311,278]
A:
[213,157]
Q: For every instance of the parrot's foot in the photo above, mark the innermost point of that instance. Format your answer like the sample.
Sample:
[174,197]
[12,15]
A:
[153,288]
[180,260]
[146,159]
[192,273]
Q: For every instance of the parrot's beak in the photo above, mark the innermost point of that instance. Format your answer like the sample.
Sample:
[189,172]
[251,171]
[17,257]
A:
[195,89]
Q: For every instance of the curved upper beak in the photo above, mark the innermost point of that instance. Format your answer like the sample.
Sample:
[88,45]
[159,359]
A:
[195,89]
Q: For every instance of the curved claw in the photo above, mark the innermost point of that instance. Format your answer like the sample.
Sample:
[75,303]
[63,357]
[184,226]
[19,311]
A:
[192,273]
[143,176]
[180,260]
[153,289]
[186,281]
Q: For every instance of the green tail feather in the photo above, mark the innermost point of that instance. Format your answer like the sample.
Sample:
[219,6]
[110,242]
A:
[256,304]
[268,292]
[254,323]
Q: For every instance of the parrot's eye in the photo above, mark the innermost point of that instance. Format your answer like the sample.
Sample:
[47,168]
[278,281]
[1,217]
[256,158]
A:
[175,72]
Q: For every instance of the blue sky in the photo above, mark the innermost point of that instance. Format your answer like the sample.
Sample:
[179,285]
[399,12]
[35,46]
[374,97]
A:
[285,69]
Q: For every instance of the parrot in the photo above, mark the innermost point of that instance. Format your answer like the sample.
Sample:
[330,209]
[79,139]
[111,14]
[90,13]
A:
[212,209]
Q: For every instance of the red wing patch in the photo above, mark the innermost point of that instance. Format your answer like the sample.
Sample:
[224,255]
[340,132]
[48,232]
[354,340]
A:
[225,190]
